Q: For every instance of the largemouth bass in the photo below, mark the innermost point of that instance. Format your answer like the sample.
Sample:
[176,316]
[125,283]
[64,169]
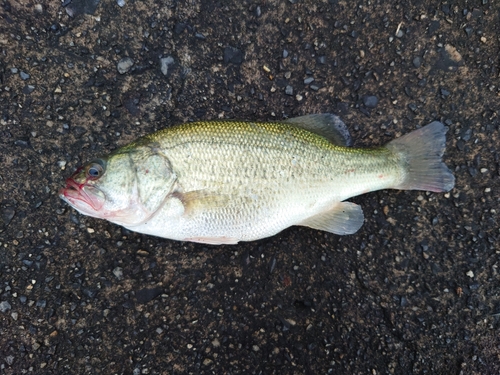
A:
[220,182]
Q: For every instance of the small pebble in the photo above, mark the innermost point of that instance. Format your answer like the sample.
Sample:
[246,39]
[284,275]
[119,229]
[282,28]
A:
[28,89]
[417,62]
[289,90]
[308,80]
[233,55]
[180,27]
[165,63]
[5,306]
[470,274]
[403,302]
[24,76]
[6,214]
[121,3]
[291,322]
[118,272]
[444,92]
[124,65]
[370,101]
[467,134]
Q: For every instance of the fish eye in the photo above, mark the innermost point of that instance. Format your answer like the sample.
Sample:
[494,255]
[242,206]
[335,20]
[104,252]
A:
[95,170]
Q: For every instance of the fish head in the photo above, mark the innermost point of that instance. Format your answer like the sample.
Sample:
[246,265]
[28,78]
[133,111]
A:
[125,188]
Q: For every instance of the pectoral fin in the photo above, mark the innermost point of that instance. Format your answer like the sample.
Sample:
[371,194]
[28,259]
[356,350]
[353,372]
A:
[343,218]
[202,201]
[199,202]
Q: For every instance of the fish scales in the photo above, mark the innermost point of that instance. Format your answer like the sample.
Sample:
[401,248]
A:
[252,153]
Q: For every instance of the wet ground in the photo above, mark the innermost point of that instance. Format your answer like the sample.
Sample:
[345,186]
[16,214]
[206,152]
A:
[415,291]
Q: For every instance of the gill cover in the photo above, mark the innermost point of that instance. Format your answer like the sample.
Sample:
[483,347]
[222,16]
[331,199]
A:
[155,178]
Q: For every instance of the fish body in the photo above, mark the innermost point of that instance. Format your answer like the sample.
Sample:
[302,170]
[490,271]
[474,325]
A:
[220,182]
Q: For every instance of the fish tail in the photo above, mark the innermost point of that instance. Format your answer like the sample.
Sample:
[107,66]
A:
[421,151]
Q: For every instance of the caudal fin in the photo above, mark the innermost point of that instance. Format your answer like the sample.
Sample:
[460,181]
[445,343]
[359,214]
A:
[421,151]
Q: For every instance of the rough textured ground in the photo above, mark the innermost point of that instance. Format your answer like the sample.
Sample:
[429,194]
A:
[415,291]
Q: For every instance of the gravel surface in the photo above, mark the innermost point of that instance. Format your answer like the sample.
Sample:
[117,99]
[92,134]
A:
[415,291]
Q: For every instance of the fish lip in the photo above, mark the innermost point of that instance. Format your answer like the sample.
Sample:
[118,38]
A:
[75,194]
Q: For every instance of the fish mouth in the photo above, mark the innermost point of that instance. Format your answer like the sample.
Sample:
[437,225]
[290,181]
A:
[86,198]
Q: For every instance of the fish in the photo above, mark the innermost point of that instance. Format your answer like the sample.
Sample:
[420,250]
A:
[222,182]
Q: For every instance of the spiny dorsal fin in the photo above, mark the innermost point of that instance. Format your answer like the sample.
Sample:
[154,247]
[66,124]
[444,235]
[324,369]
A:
[325,124]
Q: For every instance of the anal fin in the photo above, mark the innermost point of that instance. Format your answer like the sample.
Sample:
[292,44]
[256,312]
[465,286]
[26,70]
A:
[344,218]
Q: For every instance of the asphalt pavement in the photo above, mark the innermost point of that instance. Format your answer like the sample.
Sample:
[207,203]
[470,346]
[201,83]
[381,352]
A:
[415,291]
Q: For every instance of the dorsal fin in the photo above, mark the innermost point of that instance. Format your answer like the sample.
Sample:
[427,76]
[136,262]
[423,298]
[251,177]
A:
[325,124]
